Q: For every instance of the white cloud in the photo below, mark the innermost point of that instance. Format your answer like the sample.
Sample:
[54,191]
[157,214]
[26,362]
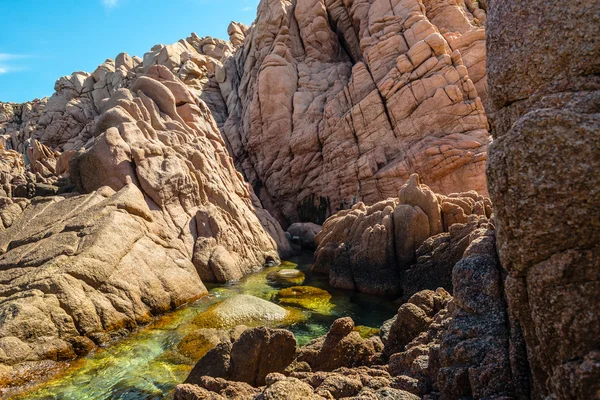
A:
[110,3]
[6,58]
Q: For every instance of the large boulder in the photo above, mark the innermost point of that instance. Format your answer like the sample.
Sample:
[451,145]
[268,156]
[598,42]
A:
[341,347]
[413,318]
[241,309]
[544,182]
[255,354]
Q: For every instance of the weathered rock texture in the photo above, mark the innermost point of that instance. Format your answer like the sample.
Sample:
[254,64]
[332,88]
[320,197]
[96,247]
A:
[462,347]
[362,94]
[160,208]
[401,245]
[544,181]
[250,358]
[68,119]
[354,97]
[439,347]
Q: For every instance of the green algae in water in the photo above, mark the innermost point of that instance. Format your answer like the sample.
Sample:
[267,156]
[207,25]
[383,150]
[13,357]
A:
[286,277]
[148,365]
[307,297]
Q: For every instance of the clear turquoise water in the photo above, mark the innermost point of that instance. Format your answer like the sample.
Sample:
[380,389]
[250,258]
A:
[147,365]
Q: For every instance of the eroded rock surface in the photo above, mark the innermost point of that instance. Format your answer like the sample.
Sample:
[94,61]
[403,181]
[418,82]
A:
[353,98]
[544,181]
[438,347]
[402,245]
[250,358]
[160,208]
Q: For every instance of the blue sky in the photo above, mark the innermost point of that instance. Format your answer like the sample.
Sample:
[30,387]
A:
[42,40]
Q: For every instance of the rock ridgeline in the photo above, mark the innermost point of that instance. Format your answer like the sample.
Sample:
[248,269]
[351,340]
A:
[68,119]
[362,95]
[403,245]
[157,208]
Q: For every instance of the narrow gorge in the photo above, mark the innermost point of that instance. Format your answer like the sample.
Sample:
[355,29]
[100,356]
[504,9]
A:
[357,199]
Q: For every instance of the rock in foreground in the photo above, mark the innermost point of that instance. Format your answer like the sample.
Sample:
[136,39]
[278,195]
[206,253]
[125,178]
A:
[438,347]
[250,358]
[545,183]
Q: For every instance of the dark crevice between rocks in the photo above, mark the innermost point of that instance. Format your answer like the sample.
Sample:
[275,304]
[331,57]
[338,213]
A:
[313,209]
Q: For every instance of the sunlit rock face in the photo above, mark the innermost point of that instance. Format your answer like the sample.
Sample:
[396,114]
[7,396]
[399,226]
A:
[321,103]
[159,209]
[544,182]
[330,103]
[67,119]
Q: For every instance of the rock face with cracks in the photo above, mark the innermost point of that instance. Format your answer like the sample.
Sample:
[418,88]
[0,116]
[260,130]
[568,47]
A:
[402,245]
[360,93]
[544,181]
[161,210]
[363,94]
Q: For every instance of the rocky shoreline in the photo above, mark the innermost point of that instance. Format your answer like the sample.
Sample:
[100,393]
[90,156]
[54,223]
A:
[370,132]
[439,346]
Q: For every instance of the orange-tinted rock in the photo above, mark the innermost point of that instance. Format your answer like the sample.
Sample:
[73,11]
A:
[353,98]
[399,246]
[163,208]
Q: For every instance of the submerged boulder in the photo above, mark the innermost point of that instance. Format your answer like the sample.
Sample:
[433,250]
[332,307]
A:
[286,276]
[308,297]
[241,309]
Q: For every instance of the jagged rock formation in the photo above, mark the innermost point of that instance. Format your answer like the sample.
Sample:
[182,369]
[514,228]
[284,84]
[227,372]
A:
[439,347]
[161,209]
[361,94]
[68,119]
[18,122]
[402,245]
[544,181]
[466,350]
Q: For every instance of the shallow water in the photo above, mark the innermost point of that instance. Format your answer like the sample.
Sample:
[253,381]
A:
[147,365]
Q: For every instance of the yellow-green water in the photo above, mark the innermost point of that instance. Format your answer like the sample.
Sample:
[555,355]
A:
[147,365]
